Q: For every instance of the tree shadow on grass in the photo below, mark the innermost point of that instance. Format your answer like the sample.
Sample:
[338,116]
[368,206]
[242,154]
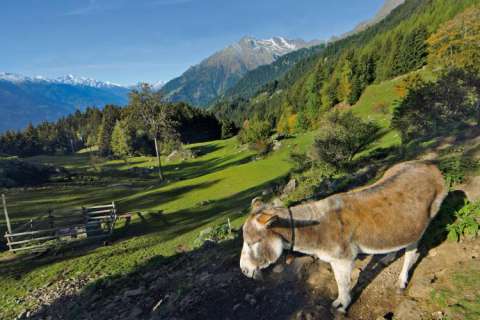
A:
[154,231]
[193,169]
[203,150]
[24,263]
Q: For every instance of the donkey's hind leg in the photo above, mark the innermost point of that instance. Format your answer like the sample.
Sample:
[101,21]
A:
[411,256]
[342,269]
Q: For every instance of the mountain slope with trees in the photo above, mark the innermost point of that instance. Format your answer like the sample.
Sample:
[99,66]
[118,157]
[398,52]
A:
[340,73]
[204,82]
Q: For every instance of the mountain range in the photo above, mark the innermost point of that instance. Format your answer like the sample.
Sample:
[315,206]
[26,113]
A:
[34,99]
[239,70]
[204,82]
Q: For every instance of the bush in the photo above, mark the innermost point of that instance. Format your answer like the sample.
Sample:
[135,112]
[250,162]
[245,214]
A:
[228,129]
[17,173]
[257,135]
[429,109]
[343,135]
[467,223]
[215,234]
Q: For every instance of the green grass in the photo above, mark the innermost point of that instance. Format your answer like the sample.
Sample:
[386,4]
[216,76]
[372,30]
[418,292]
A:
[202,192]
[377,104]
[461,298]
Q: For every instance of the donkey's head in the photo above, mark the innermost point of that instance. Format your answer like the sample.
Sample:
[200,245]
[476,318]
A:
[261,246]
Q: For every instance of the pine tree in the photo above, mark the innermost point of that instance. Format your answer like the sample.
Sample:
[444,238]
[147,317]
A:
[110,116]
[121,143]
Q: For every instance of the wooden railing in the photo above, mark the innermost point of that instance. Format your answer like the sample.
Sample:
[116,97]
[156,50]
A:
[49,230]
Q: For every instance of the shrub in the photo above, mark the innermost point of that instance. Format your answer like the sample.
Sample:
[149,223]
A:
[17,173]
[228,129]
[216,234]
[343,135]
[429,109]
[455,169]
[467,222]
[257,135]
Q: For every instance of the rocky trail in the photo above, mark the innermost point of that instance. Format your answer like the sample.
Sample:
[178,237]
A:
[207,284]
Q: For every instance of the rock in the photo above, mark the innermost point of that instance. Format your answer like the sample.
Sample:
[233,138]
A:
[134,292]
[276,202]
[250,299]
[180,155]
[279,136]
[267,191]
[290,187]
[439,315]
[235,307]
[408,310]
[276,145]
[278,268]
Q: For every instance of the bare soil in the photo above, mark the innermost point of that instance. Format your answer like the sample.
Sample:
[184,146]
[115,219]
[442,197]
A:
[207,284]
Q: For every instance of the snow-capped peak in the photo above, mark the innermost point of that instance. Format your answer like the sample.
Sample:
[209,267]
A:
[158,85]
[67,79]
[84,81]
[277,45]
[12,77]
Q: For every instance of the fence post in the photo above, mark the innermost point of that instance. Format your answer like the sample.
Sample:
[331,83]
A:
[113,217]
[7,219]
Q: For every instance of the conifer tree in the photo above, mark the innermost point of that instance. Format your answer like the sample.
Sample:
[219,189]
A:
[121,141]
[110,116]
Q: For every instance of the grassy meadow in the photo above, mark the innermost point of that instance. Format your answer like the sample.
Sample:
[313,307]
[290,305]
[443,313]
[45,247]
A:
[216,186]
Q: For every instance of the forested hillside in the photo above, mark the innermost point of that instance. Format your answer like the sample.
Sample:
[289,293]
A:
[248,85]
[117,131]
[338,75]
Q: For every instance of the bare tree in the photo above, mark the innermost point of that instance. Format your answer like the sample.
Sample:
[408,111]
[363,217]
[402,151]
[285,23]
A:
[155,116]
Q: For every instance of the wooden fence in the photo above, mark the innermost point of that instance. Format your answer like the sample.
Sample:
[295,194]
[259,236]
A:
[49,230]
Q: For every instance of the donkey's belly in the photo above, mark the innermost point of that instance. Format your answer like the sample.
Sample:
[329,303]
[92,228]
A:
[385,250]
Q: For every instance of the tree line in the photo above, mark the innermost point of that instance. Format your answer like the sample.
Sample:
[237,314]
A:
[119,132]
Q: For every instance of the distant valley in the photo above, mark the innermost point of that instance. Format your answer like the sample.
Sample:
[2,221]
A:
[35,99]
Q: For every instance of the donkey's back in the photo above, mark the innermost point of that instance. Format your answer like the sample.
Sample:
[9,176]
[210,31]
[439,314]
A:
[395,211]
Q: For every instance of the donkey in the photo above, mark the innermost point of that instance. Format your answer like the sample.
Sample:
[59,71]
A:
[390,215]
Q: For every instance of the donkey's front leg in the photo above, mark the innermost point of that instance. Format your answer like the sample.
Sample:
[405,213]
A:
[342,269]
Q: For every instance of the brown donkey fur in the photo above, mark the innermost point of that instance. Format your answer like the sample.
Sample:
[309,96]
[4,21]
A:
[390,215]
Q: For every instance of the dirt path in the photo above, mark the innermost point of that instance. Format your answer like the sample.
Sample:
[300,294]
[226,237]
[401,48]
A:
[207,284]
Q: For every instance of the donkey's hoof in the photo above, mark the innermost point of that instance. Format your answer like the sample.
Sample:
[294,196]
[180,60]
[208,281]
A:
[401,290]
[339,307]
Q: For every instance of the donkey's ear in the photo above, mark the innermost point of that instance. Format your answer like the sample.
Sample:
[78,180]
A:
[267,219]
[257,203]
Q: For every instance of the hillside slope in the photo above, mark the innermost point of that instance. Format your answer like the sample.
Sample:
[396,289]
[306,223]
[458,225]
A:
[340,73]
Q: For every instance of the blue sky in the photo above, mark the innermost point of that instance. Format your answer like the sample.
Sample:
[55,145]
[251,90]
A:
[128,41]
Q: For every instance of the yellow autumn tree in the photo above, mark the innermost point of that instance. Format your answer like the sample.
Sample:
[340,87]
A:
[456,44]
